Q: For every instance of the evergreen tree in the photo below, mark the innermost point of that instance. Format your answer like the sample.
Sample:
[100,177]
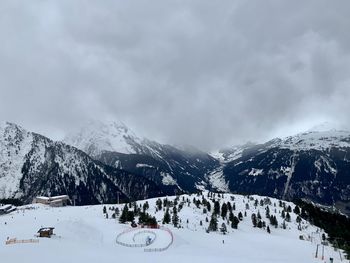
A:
[288,217]
[175,218]
[259,224]
[235,222]
[276,222]
[213,224]
[217,208]
[256,203]
[296,210]
[117,211]
[136,209]
[230,216]
[229,206]
[130,216]
[283,214]
[104,209]
[267,210]
[268,229]
[124,216]
[254,220]
[165,202]
[259,216]
[145,206]
[159,204]
[208,206]
[240,216]
[223,228]
[166,219]
[224,210]
[284,226]
[298,219]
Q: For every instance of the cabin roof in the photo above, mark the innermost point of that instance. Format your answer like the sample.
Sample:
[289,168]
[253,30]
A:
[44,229]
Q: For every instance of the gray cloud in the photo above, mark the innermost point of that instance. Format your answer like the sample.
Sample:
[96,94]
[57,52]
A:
[198,72]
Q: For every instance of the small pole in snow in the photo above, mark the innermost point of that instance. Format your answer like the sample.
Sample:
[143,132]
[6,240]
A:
[316,251]
[322,252]
[74,198]
[118,197]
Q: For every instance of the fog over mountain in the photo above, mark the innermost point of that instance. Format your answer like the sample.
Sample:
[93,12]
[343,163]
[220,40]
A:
[200,72]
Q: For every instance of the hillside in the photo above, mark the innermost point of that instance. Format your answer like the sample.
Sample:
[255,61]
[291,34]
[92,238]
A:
[84,234]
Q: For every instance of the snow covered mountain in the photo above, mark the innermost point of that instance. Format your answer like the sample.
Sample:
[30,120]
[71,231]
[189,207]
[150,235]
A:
[31,164]
[171,168]
[313,165]
[96,137]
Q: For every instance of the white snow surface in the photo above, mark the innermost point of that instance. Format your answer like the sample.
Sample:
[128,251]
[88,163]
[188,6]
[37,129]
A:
[217,180]
[256,172]
[168,179]
[83,234]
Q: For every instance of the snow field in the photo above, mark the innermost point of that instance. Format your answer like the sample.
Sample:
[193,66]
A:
[83,234]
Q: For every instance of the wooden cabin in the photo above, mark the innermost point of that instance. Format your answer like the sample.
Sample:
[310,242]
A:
[46,232]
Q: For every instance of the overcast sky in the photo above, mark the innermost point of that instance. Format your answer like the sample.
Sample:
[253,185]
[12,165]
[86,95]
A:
[206,73]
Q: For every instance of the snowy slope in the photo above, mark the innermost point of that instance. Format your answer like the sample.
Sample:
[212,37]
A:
[84,235]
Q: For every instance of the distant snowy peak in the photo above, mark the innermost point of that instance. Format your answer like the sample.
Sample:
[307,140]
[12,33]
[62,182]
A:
[327,126]
[96,137]
[318,140]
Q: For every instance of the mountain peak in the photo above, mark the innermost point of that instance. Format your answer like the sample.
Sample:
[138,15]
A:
[327,127]
[97,136]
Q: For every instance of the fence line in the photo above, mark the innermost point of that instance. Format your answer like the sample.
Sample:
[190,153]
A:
[164,248]
[135,245]
[145,245]
[20,241]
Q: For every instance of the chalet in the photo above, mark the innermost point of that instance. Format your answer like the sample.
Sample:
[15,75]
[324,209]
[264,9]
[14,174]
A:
[46,232]
[6,209]
[55,201]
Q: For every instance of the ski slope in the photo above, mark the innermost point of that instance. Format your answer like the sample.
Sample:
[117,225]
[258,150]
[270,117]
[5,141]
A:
[83,234]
